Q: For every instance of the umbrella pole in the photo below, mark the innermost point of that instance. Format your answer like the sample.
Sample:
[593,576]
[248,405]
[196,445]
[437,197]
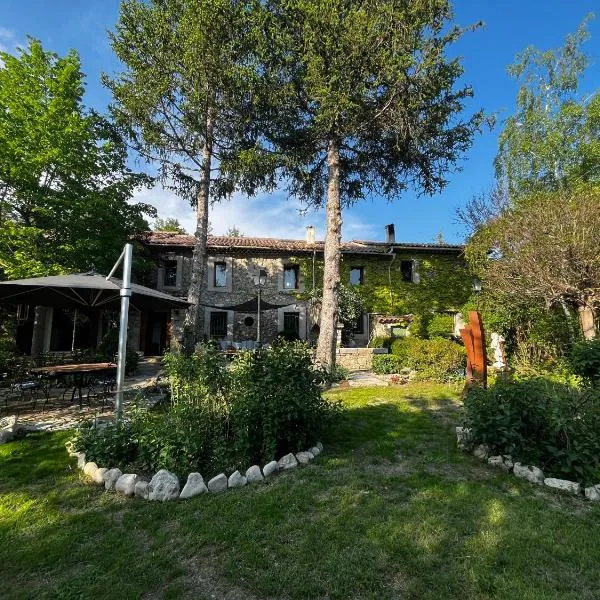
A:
[74,331]
[123,322]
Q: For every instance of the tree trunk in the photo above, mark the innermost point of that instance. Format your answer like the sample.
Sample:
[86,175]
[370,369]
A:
[194,318]
[326,345]
[587,319]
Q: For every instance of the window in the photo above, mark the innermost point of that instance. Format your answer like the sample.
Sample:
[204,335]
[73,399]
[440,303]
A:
[249,321]
[220,274]
[291,325]
[170,277]
[290,277]
[218,324]
[357,275]
[406,269]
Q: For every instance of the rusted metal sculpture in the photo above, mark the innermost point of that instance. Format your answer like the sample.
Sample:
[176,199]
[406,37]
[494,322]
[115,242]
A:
[473,337]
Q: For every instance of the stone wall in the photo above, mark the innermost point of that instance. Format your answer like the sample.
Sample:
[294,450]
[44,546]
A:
[358,359]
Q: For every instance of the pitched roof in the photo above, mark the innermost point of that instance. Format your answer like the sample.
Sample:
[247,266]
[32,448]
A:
[178,240]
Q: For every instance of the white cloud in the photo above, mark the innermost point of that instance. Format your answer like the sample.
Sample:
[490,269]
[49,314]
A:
[265,215]
[8,40]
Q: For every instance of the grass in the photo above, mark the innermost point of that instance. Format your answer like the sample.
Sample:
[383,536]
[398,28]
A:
[390,510]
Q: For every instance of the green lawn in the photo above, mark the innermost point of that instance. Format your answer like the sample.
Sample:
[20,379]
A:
[389,510]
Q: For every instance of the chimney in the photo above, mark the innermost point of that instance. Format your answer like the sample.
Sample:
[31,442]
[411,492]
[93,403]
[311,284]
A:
[310,235]
[390,234]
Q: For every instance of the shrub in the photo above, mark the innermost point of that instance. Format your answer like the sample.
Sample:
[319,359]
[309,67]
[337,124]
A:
[266,404]
[585,360]
[418,325]
[380,342]
[440,326]
[551,425]
[386,364]
[437,359]
[108,349]
[336,373]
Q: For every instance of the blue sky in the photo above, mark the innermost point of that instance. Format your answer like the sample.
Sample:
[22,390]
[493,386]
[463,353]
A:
[511,25]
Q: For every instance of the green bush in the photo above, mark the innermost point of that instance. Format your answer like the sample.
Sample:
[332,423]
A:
[437,359]
[540,422]
[336,373]
[108,349]
[585,360]
[441,326]
[265,404]
[418,325]
[380,342]
[386,364]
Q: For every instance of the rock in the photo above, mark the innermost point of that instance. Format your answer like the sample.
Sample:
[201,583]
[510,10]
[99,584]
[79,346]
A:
[304,457]
[80,459]
[253,474]
[218,483]
[463,438]
[319,446]
[531,474]
[288,462]
[110,478]
[562,484]
[194,486]
[126,484]
[504,461]
[141,489]
[315,451]
[6,436]
[163,486]
[236,479]
[482,451]
[271,468]
[99,475]
[90,469]
[8,423]
[593,493]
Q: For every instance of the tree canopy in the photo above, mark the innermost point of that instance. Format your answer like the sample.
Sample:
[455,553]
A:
[364,100]
[168,224]
[64,181]
[553,139]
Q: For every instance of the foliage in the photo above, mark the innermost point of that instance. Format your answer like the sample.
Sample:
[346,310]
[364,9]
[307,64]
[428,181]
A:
[545,252]
[108,349]
[380,342]
[169,224]
[386,364]
[585,360]
[419,323]
[234,232]
[185,100]
[276,403]
[362,98]
[64,179]
[553,426]
[440,326]
[552,139]
[437,359]
[336,373]
[267,404]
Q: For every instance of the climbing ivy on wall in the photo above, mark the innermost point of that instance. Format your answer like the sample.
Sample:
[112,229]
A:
[445,283]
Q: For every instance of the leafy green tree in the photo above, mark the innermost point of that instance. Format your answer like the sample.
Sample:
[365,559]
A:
[183,100]
[169,224]
[234,232]
[64,183]
[554,136]
[364,100]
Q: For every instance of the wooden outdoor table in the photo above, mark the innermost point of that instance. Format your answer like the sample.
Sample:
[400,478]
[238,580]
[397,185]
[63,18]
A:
[78,371]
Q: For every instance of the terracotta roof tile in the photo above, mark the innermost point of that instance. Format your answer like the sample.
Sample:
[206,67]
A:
[164,238]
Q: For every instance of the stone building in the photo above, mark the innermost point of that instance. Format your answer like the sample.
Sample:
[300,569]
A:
[393,278]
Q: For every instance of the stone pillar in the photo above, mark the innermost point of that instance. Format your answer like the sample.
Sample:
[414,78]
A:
[340,327]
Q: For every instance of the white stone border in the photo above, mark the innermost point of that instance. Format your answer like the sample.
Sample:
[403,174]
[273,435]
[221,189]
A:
[529,473]
[165,486]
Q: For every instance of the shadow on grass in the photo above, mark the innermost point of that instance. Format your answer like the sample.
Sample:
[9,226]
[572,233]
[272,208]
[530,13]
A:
[338,529]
